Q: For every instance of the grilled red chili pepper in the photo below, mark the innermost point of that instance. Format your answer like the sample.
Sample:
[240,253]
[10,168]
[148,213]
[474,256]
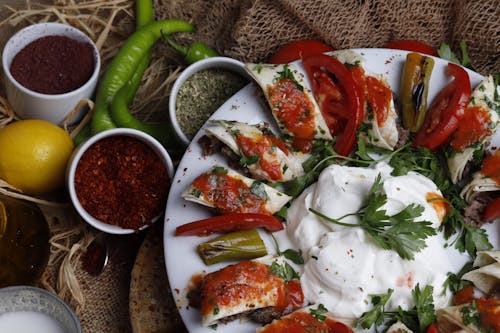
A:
[339,98]
[229,223]
[446,110]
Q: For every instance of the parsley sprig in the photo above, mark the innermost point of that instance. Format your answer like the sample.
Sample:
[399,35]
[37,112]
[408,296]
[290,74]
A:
[399,232]
[417,319]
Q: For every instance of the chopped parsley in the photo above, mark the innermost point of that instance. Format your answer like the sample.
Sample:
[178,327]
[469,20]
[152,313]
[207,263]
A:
[219,170]
[287,73]
[249,160]
[284,271]
[259,190]
[319,312]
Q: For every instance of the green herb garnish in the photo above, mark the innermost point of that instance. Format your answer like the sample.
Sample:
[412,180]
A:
[319,312]
[376,315]
[284,271]
[287,73]
[259,190]
[399,232]
[454,281]
[417,319]
[248,160]
[294,255]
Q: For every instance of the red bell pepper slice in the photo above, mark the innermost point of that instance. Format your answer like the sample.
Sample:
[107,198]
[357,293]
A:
[298,49]
[229,223]
[446,110]
[339,97]
[492,211]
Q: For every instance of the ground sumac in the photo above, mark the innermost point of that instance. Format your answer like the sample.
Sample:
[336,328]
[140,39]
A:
[121,181]
[53,65]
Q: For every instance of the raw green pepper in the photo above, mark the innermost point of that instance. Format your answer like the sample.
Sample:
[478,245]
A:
[238,245]
[194,52]
[414,88]
[119,106]
[124,65]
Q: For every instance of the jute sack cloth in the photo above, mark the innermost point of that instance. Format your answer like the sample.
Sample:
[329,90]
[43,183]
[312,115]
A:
[252,30]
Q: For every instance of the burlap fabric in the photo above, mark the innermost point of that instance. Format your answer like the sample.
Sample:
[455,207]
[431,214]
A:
[252,30]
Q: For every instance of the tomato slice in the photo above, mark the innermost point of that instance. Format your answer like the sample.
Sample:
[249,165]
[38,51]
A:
[491,166]
[492,211]
[337,327]
[339,96]
[489,313]
[473,128]
[432,328]
[464,295]
[446,110]
[299,49]
[413,45]
[229,223]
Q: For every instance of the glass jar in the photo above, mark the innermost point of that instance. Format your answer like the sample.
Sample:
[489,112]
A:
[24,242]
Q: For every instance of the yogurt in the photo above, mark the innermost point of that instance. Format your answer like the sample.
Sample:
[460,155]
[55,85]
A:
[343,265]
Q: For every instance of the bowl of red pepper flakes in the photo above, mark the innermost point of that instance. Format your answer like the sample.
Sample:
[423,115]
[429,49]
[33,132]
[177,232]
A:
[118,180]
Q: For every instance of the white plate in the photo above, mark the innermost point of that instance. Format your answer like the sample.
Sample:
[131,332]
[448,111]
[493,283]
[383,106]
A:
[181,258]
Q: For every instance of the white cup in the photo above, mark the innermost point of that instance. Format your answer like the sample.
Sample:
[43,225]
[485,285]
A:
[28,104]
[214,62]
[82,148]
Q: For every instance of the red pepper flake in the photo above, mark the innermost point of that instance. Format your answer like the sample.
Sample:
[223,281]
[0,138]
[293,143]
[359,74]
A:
[121,181]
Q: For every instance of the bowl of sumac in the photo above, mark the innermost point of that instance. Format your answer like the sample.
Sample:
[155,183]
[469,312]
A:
[118,180]
[50,70]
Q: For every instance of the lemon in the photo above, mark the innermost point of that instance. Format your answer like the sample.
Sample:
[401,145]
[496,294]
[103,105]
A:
[33,155]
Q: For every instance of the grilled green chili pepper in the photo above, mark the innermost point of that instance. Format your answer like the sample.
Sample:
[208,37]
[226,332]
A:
[124,65]
[238,245]
[414,88]
[193,52]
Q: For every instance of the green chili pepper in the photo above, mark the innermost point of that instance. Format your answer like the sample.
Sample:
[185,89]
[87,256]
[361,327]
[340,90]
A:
[124,65]
[120,103]
[238,245]
[414,88]
[193,52]
[144,15]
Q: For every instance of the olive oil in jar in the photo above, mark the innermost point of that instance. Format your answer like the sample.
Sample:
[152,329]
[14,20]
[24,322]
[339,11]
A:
[24,242]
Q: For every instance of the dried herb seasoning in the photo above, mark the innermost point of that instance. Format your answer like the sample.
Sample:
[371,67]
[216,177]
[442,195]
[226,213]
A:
[202,94]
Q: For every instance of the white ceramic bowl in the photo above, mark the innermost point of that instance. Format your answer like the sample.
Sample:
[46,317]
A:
[24,300]
[82,148]
[214,62]
[28,104]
